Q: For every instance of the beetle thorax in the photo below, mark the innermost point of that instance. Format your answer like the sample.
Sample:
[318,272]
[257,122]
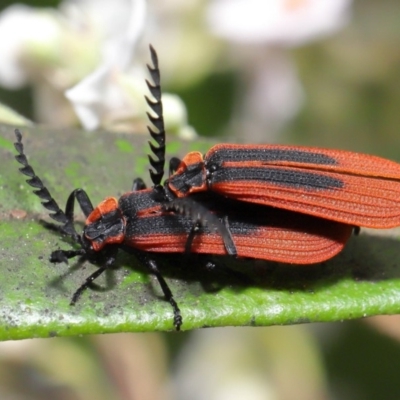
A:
[105,225]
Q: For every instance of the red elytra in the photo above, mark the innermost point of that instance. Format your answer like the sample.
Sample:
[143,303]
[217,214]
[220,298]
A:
[278,203]
[343,186]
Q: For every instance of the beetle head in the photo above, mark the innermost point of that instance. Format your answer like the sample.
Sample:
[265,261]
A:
[105,225]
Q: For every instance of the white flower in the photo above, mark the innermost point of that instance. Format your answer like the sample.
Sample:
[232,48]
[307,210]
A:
[260,32]
[23,31]
[113,93]
[284,22]
[103,91]
[86,54]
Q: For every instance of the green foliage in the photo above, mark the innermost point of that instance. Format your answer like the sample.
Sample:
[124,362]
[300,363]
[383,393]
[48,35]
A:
[362,281]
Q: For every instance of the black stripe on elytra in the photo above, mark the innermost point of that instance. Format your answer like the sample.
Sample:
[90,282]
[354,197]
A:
[170,225]
[269,155]
[133,202]
[277,176]
[161,225]
[244,219]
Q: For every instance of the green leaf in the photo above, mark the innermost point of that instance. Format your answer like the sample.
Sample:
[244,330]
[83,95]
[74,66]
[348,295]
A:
[364,280]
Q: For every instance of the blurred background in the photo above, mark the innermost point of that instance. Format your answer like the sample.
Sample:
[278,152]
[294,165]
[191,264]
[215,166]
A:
[314,72]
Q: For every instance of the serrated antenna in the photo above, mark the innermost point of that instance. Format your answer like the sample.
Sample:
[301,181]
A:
[157,173]
[41,191]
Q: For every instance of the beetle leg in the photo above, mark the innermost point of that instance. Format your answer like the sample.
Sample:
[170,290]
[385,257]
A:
[201,216]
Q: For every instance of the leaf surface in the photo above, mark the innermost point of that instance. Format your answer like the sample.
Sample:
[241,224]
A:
[364,280]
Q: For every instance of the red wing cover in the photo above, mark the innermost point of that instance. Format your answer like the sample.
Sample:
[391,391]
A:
[353,188]
[258,232]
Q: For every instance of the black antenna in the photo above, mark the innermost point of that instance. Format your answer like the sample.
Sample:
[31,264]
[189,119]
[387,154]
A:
[157,173]
[47,201]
